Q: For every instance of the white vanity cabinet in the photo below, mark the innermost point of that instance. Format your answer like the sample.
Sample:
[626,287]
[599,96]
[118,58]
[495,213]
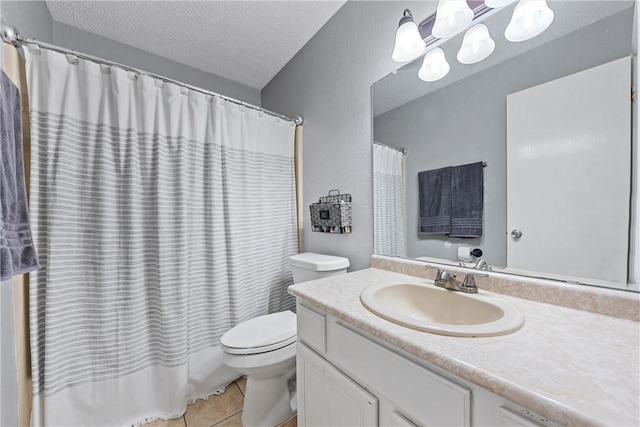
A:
[347,379]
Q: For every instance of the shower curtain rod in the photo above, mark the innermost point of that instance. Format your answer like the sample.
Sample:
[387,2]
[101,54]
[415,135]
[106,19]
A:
[11,35]
[403,150]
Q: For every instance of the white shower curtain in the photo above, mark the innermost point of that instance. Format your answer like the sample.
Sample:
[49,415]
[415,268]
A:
[389,234]
[163,217]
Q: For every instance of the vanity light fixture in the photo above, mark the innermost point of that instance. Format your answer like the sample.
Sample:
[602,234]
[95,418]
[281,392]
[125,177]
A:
[530,18]
[409,43]
[495,4]
[434,67]
[476,45]
[452,16]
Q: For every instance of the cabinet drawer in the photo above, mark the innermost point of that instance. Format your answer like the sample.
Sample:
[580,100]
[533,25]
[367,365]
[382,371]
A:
[423,395]
[312,328]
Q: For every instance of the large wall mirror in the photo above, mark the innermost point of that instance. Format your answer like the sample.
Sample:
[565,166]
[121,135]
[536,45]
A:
[551,118]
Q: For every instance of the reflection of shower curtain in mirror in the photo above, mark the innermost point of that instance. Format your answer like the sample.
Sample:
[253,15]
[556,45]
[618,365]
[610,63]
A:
[164,217]
[389,236]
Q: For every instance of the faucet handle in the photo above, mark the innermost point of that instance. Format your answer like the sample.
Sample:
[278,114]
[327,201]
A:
[469,281]
[439,271]
[442,275]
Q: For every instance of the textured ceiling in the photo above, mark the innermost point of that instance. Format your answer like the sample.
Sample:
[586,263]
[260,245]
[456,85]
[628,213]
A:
[244,41]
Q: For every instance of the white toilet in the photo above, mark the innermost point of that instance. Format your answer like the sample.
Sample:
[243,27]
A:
[264,348]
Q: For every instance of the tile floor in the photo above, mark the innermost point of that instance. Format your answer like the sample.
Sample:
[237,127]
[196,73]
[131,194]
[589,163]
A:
[223,410]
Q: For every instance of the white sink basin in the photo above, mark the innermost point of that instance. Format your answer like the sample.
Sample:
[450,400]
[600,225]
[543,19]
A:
[440,311]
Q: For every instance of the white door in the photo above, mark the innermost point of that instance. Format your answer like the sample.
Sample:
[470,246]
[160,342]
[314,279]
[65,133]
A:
[568,174]
[327,397]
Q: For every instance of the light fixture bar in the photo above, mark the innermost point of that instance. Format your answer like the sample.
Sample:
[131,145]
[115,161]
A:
[480,11]
[477,6]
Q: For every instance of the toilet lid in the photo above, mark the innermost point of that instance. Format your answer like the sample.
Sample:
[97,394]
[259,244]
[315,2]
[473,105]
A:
[261,334]
[318,262]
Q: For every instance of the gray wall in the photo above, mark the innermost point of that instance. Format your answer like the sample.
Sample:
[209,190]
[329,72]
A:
[465,122]
[33,20]
[328,82]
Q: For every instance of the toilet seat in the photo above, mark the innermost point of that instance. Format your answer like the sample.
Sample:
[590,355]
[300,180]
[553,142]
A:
[261,334]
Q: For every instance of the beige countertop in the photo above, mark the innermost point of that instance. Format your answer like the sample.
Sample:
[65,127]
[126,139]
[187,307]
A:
[574,367]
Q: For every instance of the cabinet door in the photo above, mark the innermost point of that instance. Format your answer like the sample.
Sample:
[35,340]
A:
[327,397]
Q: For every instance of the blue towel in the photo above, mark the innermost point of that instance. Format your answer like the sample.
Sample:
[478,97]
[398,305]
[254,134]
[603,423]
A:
[466,200]
[435,201]
[17,252]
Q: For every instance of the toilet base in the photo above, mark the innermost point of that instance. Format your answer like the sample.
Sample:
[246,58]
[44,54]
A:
[266,401]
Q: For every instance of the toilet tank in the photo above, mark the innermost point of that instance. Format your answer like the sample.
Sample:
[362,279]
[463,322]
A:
[309,266]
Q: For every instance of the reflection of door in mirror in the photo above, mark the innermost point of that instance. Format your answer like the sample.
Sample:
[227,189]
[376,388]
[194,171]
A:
[572,132]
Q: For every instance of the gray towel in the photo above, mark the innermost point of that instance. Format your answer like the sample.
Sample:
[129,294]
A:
[17,252]
[435,201]
[466,200]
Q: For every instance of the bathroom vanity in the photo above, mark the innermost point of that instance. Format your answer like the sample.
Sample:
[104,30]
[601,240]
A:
[563,367]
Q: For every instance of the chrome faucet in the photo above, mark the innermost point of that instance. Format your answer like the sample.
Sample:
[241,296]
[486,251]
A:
[447,280]
[482,264]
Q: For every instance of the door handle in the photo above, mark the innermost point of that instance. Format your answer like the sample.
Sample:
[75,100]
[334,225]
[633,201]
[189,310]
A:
[516,234]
